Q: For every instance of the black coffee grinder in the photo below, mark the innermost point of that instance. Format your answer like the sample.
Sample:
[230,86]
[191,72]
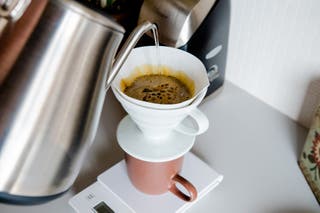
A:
[200,27]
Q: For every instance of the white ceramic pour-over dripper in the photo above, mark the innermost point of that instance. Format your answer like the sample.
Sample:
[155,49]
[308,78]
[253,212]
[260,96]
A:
[159,123]
[176,60]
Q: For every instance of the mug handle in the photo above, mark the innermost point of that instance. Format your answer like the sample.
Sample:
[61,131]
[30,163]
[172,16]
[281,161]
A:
[200,118]
[187,185]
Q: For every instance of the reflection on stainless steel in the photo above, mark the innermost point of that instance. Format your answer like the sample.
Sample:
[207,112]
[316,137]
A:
[177,20]
[51,100]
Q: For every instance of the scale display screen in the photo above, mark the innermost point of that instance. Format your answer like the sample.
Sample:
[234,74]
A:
[102,207]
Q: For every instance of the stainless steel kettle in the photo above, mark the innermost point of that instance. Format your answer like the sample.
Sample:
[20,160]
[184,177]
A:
[51,100]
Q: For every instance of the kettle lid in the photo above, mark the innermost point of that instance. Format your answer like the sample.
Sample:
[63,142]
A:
[92,15]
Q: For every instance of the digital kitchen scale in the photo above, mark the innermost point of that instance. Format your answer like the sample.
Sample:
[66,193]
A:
[114,193]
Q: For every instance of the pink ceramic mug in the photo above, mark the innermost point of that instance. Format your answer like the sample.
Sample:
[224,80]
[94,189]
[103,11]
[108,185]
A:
[159,177]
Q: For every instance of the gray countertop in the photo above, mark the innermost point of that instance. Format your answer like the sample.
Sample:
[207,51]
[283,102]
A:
[255,147]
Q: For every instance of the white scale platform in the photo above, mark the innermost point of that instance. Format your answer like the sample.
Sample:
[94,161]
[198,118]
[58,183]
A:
[113,192]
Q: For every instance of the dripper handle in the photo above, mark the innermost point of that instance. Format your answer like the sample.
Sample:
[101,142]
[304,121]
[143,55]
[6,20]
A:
[199,118]
[132,40]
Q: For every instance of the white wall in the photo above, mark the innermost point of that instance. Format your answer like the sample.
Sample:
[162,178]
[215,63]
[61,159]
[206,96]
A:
[274,53]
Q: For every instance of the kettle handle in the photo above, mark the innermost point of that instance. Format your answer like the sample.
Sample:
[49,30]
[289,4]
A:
[124,52]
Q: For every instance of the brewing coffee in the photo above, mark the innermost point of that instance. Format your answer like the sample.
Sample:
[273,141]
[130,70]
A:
[158,88]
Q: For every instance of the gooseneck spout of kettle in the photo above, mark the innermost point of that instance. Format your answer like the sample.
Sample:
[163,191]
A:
[124,52]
